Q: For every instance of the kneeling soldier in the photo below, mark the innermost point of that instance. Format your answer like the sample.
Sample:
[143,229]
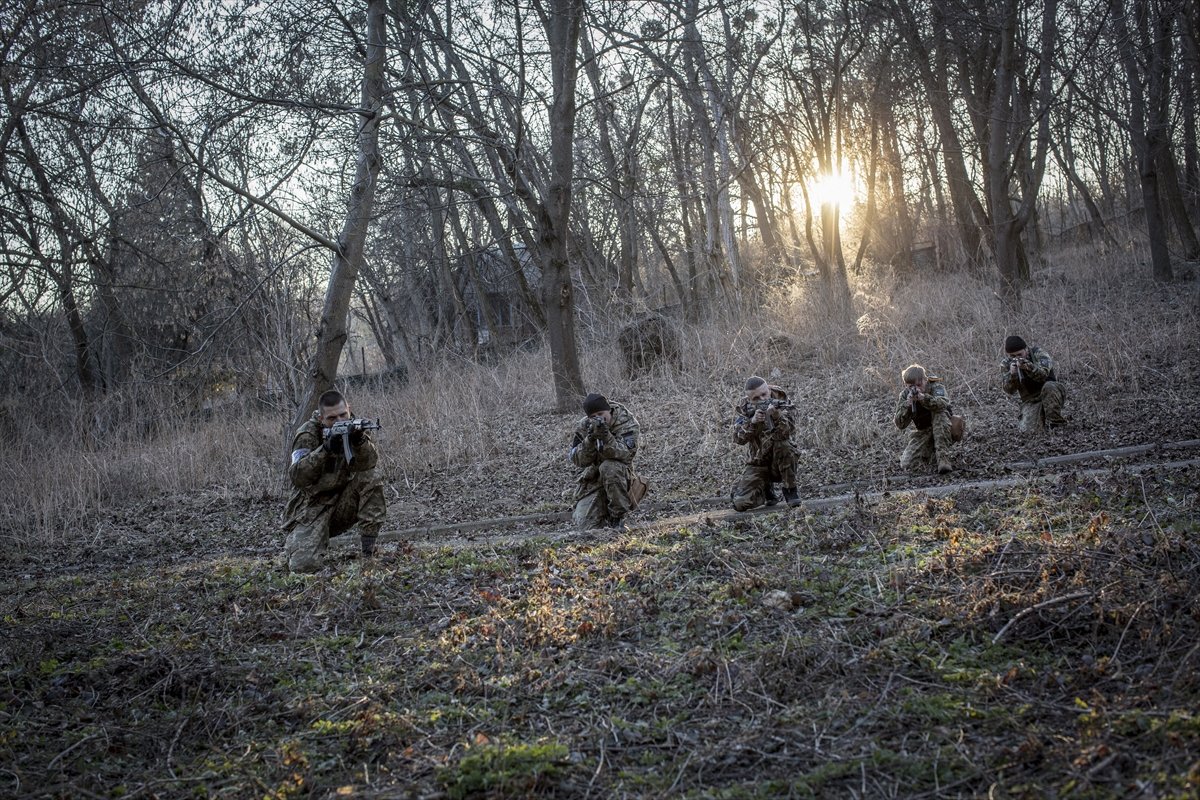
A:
[1029,372]
[765,423]
[604,444]
[923,402]
[333,490]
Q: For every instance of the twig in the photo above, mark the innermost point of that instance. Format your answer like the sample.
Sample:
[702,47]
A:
[1121,641]
[61,755]
[1066,598]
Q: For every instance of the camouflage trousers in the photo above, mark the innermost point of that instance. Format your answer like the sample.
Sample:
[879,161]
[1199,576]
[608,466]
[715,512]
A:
[602,495]
[751,488]
[361,503]
[931,444]
[1045,410]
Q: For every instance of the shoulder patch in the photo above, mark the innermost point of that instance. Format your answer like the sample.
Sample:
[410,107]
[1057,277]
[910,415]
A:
[299,454]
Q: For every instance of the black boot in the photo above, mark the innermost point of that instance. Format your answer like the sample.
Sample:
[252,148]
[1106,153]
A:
[770,496]
[792,495]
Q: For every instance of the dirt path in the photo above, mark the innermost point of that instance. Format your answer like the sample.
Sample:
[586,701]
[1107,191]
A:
[713,510]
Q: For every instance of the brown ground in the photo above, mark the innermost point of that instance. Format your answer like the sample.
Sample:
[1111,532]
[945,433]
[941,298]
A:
[1025,641]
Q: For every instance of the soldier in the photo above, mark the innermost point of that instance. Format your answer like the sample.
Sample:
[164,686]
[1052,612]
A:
[604,444]
[923,402]
[1029,372]
[331,495]
[765,423]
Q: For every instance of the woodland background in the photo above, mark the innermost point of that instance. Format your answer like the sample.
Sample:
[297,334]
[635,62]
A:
[209,212]
[245,199]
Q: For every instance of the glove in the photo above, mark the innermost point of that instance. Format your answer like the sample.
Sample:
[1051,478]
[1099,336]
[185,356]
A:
[356,436]
[333,445]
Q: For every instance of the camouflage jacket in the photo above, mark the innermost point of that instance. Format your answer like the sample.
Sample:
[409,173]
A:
[319,475]
[620,440]
[920,412]
[762,436]
[1029,381]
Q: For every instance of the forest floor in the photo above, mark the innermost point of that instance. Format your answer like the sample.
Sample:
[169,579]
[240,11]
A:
[933,636]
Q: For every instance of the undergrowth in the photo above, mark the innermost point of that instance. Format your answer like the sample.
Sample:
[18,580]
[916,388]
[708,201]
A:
[1025,643]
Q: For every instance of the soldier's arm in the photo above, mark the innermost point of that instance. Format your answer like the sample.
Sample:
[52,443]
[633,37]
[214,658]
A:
[583,450]
[308,460]
[743,430]
[785,425]
[937,399]
[622,446]
[1011,382]
[1041,367]
[366,455]
[903,414]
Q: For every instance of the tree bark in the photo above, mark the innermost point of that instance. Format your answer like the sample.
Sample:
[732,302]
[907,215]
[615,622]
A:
[563,22]
[347,258]
[1147,122]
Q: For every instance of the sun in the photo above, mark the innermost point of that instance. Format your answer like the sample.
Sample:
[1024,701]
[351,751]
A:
[832,189]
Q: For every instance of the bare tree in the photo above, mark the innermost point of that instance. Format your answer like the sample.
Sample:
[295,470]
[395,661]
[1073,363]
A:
[1145,59]
[347,258]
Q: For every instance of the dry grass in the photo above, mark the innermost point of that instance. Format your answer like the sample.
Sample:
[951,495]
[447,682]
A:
[1110,330]
[1035,642]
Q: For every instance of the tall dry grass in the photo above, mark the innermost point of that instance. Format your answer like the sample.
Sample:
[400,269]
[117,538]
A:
[1112,332]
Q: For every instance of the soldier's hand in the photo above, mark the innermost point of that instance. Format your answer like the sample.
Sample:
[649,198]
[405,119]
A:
[356,436]
[333,445]
[758,417]
[1012,367]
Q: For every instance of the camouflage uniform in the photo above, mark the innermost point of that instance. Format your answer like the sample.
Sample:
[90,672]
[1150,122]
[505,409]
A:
[772,455]
[1042,396]
[930,419]
[602,491]
[330,496]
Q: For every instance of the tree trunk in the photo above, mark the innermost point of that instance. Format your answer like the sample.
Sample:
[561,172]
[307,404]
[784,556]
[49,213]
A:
[1172,195]
[1096,218]
[332,329]
[562,23]
[1147,123]
[932,67]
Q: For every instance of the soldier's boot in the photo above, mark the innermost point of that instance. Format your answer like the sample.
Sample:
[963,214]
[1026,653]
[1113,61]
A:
[368,543]
[792,495]
[618,523]
[944,465]
[770,495]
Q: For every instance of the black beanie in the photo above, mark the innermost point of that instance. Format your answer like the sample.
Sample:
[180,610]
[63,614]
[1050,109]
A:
[1014,343]
[594,403]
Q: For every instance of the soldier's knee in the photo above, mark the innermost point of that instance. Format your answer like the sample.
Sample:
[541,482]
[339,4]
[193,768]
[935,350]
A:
[745,502]
[612,470]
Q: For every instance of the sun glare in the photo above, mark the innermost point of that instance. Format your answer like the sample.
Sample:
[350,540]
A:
[834,189]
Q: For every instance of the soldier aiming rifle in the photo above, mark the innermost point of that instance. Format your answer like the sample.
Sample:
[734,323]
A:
[765,424]
[335,487]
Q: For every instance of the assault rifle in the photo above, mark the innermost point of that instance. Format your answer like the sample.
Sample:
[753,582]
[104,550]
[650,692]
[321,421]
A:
[344,428]
[596,427]
[765,406]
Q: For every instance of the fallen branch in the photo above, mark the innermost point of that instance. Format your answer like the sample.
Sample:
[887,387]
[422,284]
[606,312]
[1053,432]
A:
[1066,598]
